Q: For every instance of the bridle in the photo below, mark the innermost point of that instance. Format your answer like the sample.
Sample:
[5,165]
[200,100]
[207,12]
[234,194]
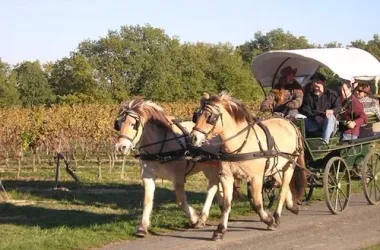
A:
[122,118]
[212,119]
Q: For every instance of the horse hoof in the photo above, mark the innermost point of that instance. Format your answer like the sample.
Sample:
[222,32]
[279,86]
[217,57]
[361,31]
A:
[276,217]
[217,236]
[141,233]
[272,227]
[270,220]
[198,224]
[295,209]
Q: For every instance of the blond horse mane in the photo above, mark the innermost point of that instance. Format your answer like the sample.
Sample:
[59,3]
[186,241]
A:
[237,109]
[148,111]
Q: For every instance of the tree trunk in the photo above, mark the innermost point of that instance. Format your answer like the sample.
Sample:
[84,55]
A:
[19,168]
[38,157]
[122,168]
[3,193]
[99,169]
[85,154]
[75,161]
[7,159]
[113,160]
[34,162]
[110,162]
[115,155]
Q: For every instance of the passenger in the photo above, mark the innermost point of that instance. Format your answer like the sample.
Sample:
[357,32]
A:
[286,97]
[355,85]
[371,106]
[353,115]
[320,106]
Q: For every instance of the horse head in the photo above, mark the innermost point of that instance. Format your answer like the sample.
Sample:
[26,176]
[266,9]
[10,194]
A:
[131,119]
[216,114]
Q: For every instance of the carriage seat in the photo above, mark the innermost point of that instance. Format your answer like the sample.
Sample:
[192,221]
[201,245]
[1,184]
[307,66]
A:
[366,133]
[365,139]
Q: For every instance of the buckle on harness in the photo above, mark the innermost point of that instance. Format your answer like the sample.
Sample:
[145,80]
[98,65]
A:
[166,159]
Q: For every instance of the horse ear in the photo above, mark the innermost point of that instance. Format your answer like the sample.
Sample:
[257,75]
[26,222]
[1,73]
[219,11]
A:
[205,97]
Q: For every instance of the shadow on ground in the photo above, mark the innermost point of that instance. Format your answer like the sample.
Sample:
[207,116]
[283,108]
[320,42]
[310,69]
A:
[50,214]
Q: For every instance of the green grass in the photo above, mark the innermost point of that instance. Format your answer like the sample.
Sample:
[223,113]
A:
[38,217]
[375,247]
[102,211]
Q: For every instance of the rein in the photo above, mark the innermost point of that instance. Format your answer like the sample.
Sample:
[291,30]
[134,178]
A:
[162,141]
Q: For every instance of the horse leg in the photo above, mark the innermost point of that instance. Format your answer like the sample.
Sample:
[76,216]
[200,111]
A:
[227,182]
[191,214]
[220,196]
[257,200]
[288,173]
[149,187]
[237,194]
[211,191]
[291,204]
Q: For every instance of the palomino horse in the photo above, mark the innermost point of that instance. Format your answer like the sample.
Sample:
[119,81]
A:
[251,152]
[162,155]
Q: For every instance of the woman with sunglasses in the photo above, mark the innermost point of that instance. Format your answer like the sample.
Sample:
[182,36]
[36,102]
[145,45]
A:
[371,106]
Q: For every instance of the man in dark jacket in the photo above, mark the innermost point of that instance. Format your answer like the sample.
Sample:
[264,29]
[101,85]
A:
[320,106]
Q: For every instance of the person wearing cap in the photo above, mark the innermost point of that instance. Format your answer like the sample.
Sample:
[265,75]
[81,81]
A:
[320,106]
[286,97]
[353,115]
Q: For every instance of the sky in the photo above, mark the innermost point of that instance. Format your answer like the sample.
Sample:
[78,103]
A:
[47,30]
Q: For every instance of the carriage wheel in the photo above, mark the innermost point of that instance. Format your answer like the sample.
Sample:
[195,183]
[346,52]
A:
[336,185]
[371,177]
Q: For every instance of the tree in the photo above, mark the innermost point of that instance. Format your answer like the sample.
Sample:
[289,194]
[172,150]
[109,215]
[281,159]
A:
[231,74]
[372,46]
[334,44]
[74,80]
[195,70]
[32,84]
[275,39]
[107,58]
[9,94]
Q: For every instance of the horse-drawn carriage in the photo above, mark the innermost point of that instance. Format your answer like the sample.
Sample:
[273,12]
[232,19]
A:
[240,146]
[330,166]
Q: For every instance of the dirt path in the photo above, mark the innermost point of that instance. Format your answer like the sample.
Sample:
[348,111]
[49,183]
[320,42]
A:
[314,228]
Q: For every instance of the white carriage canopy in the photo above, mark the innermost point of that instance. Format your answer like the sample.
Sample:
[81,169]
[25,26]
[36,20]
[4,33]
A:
[347,63]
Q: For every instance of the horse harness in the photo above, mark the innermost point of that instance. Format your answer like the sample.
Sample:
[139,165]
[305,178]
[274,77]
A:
[122,118]
[186,152]
[196,154]
[272,150]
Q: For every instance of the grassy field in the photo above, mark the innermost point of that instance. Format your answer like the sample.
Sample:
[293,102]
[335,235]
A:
[100,212]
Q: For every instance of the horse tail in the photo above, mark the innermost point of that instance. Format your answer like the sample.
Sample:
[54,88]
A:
[298,182]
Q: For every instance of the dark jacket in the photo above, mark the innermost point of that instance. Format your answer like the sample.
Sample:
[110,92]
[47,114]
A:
[353,111]
[314,105]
